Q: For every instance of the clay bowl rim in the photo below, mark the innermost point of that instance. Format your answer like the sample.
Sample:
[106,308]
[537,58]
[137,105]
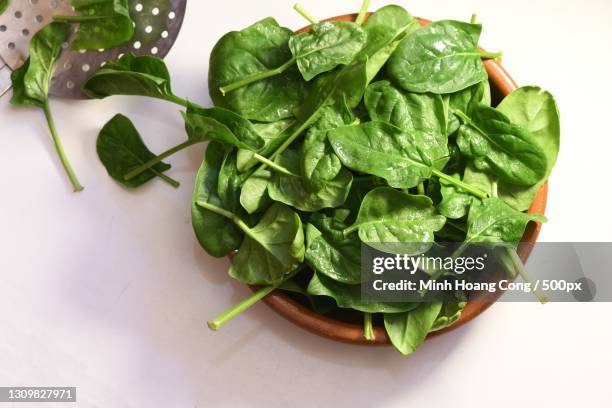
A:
[338,330]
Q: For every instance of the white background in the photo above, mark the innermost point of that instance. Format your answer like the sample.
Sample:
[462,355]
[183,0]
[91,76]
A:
[107,290]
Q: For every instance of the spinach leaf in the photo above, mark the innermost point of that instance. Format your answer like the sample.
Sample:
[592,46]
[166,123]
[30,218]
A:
[3,5]
[384,26]
[423,113]
[387,216]
[222,125]
[273,135]
[216,235]
[31,83]
[465,100]
[254,193]
[383,150]
[32,80]
[319,304]
[258,48]
[120,149]
[271,249]
[326,46]
[292,191]
[455,202]
[323,48]
[132,75]
[499,147]
[319,163]
[385,29]
[102,24]
[493,221]
[449,314]
[535,110]
[330,252]
[20,95]
[442,57]
[349,296]
[203,125]
[344,86]
[407,331]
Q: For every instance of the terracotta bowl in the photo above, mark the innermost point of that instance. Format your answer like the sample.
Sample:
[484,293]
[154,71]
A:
[340,327]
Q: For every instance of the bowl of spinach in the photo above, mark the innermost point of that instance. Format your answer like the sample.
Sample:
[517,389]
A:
[364,128]
[346,326]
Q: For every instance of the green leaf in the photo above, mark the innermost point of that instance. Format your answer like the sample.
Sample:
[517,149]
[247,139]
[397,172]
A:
[535,110]
[223,126]
[273,135]
[423,113]
[130,75]
[20,96]
[320,305]
[499,147]
[383,150]
[254,193]
[271,249]
[3,5]
[493,221]
[103,24]
[389,216]
[32,80]
[319,163]
[326,46]
[217,235]
[120,149]
[465,100]
[258,48]
[292,191]
[349,296]
[385,28]
[449,314]
[31,83]
[455,202]
[408,330]
[329,252]
[442,58]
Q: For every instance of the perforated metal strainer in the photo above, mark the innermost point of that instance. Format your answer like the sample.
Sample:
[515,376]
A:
[157,24]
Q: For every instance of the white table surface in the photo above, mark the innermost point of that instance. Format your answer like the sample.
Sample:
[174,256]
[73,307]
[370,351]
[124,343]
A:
[108,291]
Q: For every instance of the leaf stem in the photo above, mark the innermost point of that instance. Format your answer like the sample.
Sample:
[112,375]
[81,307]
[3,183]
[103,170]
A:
[76,185]
[289,140]
[235,310]
[368,330]
[273,165]
[474,18]
[471,189]
[520,268]
[146,166]
[494,188]
[258,76]
[229,314]
[167,179]
[361,17]
[305,14]
[490,55]
[227,214]
[350,230]
[180,101]
[421,188]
